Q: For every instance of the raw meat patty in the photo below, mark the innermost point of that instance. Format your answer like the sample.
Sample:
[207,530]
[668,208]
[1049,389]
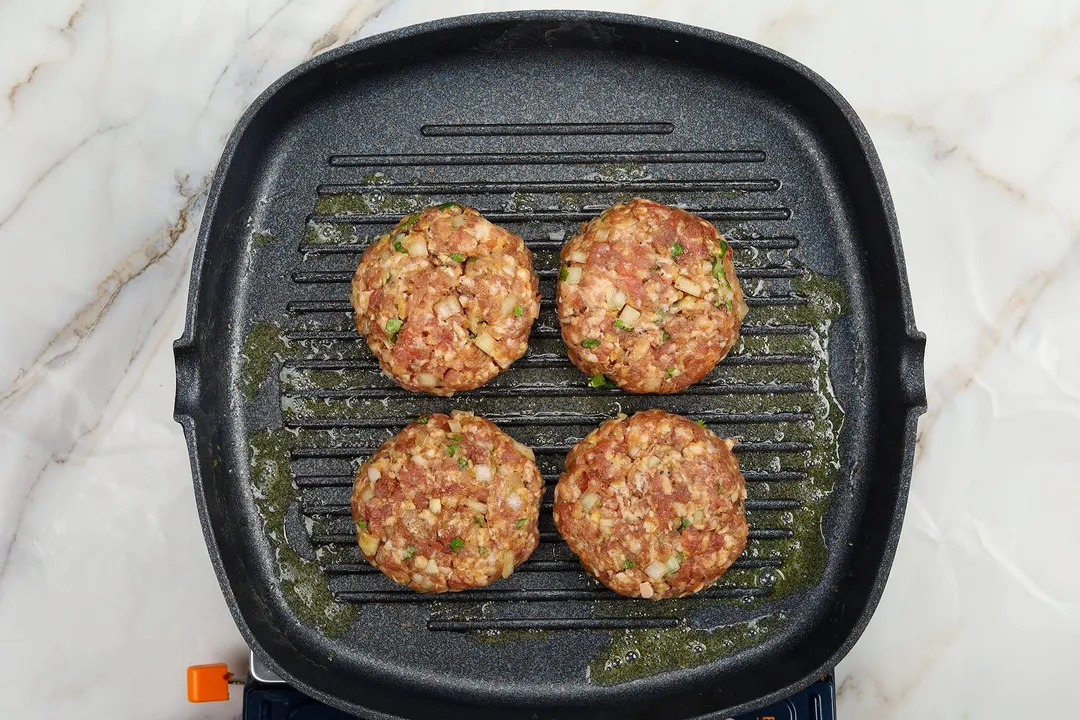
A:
[653,505]
[648,297]
[449,503]
[446,299]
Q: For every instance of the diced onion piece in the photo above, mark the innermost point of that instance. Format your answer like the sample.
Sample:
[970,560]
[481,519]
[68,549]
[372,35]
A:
[525,450]
[616,298]
[656,570]
[508,564]
[646,590]
[508,303]
[629,316]
[432,567]
[686,301]
[416,246]
[447,306]
[589,500]
[607,522]
[706,267]
[367,493]
[573,275]
[514,501]
[435,505]
[486,343]
[373,473]
[476,505]
[651,384]
[577,256]
[601,235]
[688,286]
[742,309]
[454,424]
[673,563]
[427,380]
[483,473]
[369,543]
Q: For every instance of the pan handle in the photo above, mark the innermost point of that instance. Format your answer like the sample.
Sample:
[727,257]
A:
[912,372]
[187,379]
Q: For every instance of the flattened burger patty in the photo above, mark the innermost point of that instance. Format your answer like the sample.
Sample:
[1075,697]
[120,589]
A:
[653,505]
[446,299]
[449,503]
[648,297]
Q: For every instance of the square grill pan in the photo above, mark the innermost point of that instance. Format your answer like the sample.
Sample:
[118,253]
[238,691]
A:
[540,120]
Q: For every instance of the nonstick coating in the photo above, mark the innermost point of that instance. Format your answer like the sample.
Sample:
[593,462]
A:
[558,113]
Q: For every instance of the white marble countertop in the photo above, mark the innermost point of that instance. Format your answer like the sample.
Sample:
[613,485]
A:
[112,118]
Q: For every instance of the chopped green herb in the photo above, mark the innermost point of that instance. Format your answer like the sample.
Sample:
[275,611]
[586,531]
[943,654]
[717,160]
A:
[727,304]
[361,525]
[479,519]
[457,257]
[677,250]
[483,551]
[399,247]
[599,381]
[670,373]
[452,446]
[628,563]
[409,552]
[590,343]
[520,523]
[684,524]
[456,544]
[409,221]
[681,555]
[563,272]
[700,422]
[518,311]
[393,325]
[462,462]
[666,336]
[422,420]
[621,325]
[447,205]
[718,271]
[723,247]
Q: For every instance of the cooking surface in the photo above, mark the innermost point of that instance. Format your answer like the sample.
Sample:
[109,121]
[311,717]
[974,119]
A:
[771,393]
[107,566]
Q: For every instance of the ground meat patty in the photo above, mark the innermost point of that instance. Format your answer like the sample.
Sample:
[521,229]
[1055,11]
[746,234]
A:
[648,297]
[446,299]
[653,505]
[448,503]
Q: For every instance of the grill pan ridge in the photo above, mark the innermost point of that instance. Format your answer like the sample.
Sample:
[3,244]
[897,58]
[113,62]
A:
[539,120]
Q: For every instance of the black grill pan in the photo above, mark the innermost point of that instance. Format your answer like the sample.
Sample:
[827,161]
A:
[539,120]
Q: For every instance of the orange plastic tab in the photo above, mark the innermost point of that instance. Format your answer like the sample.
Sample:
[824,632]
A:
[208,683]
